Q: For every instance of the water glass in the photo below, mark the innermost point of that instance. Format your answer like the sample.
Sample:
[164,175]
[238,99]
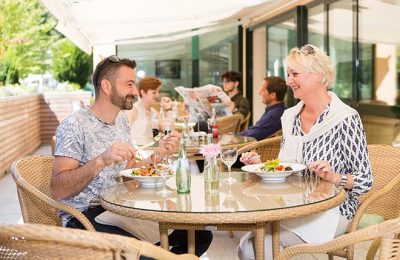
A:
[228,157]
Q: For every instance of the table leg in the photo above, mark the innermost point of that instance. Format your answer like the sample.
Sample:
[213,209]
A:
[191,241]
[259,241]
[276,241]
[163,235]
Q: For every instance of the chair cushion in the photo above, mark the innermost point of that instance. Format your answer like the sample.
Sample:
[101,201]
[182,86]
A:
[369,220]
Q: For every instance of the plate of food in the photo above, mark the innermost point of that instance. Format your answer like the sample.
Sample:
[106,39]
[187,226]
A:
[148,176]
[274,170]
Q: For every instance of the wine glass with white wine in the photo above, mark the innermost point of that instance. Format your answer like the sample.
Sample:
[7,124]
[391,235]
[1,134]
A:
[228,157]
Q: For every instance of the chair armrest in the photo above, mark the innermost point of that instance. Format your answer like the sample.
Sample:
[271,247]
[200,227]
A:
[385,229]
[55,204]
[371,199]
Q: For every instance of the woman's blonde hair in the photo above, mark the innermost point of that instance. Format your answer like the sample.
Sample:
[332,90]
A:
[312,59]
[149,83]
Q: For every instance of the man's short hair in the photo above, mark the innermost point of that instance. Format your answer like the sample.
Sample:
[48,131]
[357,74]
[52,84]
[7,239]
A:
[276,85]
[231,75]
[107,67]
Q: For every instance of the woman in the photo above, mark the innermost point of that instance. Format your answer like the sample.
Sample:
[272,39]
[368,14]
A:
[326,135]
[142,116]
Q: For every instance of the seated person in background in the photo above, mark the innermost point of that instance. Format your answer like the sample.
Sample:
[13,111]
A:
[94,145]
[231,81]
[272,92]
[325,134]
[142,115]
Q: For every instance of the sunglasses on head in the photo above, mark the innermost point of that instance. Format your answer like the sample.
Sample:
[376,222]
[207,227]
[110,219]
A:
[307,49]
[110,59]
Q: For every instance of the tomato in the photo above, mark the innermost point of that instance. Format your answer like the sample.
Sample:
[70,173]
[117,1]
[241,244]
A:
[279,168]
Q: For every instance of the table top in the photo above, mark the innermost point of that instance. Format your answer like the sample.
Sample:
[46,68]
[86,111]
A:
[248,200]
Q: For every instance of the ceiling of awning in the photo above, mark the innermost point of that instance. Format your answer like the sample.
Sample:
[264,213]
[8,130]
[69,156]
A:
[93,22]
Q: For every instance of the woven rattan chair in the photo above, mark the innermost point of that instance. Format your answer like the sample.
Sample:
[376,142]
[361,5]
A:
[244,124]
[383,198]
[268,149]
[387,231]
[32,176]
[229,124]
[34,241]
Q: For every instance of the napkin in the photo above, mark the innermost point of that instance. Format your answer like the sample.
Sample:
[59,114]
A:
[143,229]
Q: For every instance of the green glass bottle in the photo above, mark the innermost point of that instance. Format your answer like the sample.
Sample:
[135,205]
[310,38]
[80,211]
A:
[182,170]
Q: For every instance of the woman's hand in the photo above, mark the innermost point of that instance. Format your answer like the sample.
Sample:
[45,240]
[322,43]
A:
[166,103]
[323,170]
[169,144]
[250,158]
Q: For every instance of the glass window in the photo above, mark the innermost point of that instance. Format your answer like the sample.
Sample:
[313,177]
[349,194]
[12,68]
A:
[380,51]
[281,38]
[148,55]
[316,26]
[219,51]
[341,46]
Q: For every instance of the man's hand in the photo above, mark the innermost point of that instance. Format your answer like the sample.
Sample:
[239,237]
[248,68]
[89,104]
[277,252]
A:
[231,106]
[118,152]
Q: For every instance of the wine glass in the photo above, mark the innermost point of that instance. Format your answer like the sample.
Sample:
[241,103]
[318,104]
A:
[228,157]
[163,169]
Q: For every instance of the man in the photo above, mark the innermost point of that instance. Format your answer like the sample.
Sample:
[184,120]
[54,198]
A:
[272,92]
[231,82]
[93,146]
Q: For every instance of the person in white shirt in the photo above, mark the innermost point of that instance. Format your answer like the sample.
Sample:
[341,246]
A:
[143,117]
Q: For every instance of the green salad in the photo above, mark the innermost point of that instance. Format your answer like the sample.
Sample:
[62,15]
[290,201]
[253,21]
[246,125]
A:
[274,166]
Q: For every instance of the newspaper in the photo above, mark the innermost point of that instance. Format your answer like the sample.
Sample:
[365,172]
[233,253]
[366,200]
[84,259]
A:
[201,100]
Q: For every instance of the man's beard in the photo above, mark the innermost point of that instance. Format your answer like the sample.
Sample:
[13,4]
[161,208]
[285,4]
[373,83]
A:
[124,103]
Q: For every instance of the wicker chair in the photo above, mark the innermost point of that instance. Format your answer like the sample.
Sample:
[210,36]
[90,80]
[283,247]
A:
[268,148]
[382,199]
[229,124]
[244,124]
[32,176]
[387,231]
[34,241]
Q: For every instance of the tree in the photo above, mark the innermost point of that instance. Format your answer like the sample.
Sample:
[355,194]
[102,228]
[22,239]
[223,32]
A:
[70,63]
[26,34]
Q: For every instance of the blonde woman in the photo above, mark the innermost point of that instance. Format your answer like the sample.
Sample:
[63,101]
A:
[326,135]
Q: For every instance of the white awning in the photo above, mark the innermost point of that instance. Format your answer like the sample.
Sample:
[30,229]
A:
[91,22]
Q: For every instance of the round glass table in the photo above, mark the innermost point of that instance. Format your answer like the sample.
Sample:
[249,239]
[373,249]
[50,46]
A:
[247,204]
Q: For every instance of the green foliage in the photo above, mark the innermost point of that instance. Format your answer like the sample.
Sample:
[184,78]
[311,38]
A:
[71,64]
[26,34]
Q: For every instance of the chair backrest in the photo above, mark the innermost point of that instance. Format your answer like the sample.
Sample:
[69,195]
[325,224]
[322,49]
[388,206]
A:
[244,124]
[35,171]
[34,241]
[385,164]
[268,149]
[229,124]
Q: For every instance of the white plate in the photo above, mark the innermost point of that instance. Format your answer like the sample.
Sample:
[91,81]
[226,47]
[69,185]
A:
[145,181]
[273,176]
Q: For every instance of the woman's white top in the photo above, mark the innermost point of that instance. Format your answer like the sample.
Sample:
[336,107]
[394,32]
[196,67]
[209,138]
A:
[338,137]
[141,127]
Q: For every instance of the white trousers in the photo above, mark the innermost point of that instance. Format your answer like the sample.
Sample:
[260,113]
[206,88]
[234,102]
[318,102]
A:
[288,238]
